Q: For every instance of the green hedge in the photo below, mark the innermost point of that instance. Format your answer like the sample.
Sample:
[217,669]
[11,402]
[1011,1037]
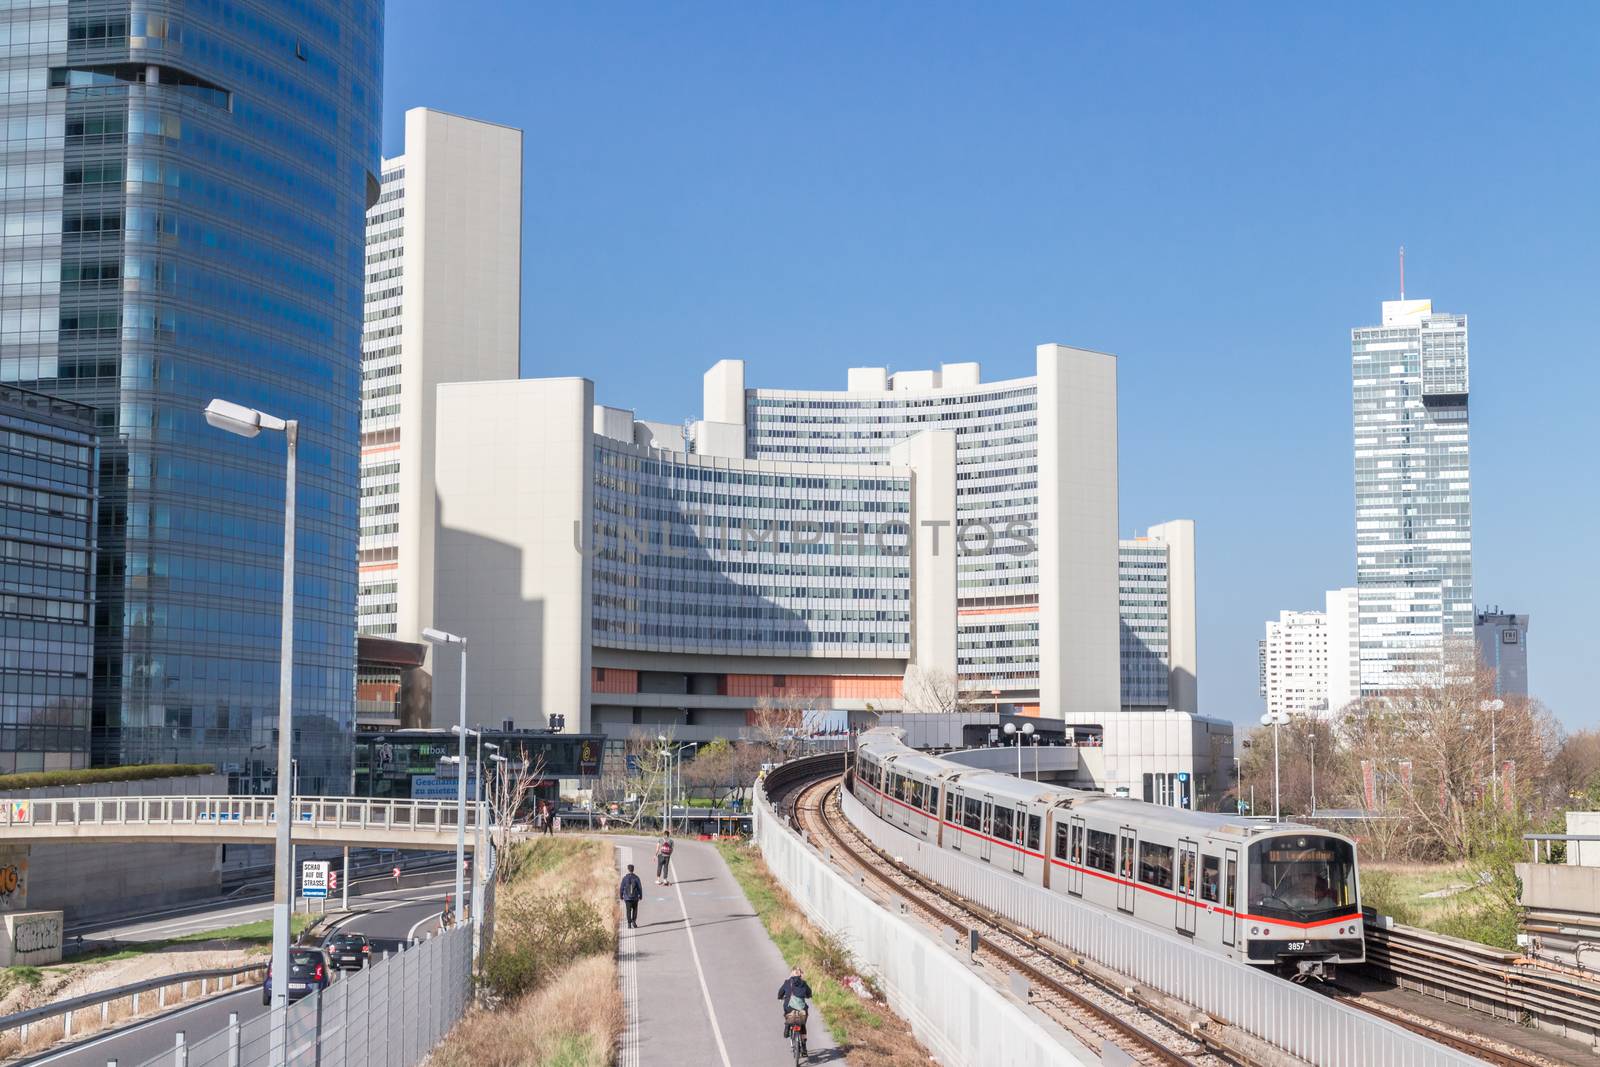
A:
[139,772]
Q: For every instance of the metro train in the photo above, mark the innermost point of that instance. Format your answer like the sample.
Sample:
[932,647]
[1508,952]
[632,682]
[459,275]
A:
[1283,896]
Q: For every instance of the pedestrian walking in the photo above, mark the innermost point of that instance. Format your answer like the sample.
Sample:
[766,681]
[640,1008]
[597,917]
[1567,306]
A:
[664,859]
[631,892]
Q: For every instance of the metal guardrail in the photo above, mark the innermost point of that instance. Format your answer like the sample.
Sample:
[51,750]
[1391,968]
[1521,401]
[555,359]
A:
[205,812]
[22,1021]
[1503,984]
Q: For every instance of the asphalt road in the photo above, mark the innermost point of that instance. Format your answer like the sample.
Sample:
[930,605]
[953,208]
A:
[393,919]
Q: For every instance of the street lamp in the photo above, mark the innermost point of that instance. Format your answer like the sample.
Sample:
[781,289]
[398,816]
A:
[248,422]
[439,637]
[1492,707]
[1013,730]
[1275,719]
[1312,738]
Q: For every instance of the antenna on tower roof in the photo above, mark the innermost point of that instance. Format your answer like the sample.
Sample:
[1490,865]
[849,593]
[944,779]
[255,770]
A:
[1402,272]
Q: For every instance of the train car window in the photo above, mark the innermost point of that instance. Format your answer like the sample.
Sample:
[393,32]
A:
[1230,885]
[933,799]
[1210,878]
[1033,832]
[1061,841]
[1077,844]
[915,788]
[1127,854]
[1002,823]
[1186,872]
[972,814]
[950,807]
[1155,864]
[1102,851]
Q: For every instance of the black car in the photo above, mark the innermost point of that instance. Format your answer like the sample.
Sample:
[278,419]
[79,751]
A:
[308,971]
[349,952]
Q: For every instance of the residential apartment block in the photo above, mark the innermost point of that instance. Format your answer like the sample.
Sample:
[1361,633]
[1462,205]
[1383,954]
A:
[443,300]
[1413,494]
[1309,659]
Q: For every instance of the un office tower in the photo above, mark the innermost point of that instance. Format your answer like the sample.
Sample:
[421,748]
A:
[185,188]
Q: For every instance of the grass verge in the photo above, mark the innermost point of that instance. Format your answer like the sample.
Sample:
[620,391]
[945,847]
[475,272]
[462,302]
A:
[250,936]
[551,973]
[1475,913]
[867,1031]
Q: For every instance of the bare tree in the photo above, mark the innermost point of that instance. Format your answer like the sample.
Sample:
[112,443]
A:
[930,690]
[778,725]
[1575,770]
[1439,757]
[513,780]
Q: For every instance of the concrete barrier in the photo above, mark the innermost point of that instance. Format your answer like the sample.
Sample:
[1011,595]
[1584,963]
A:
[951,1006]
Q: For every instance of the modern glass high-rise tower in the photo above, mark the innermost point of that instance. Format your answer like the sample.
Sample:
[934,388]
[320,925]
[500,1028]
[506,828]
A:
[1413,495]
[184,198]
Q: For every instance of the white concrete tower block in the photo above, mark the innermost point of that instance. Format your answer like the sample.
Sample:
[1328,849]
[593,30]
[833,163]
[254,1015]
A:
[514,470]
[931,455]
[1183,657]
[721,431]
[461,310]
[1079,621]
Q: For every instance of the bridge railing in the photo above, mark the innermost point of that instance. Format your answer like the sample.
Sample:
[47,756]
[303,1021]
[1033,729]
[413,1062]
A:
[366,813]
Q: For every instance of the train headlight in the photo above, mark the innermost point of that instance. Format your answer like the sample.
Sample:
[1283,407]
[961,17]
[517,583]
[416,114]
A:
[1255,930]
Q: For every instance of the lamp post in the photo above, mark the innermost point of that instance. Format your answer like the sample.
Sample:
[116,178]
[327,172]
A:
[1493,707]
[1013,731]
[248,422]
[439,637]
[1275,719]
[1312,738]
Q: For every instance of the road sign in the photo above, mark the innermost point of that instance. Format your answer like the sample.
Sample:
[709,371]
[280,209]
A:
[314,878]
[333,880]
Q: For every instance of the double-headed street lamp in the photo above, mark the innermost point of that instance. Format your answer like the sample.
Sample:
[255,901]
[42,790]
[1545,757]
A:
[1019,732]
[248,422]
[439,637]
[1275,719]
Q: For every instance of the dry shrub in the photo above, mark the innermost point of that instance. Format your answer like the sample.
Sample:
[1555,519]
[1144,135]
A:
[574,1021]
[562,891]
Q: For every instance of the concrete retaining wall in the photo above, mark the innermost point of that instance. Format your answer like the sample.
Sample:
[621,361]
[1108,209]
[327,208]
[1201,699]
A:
[951,1007]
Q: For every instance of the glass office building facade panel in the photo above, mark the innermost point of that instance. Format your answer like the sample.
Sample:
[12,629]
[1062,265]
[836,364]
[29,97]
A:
[48,467]
[1413,495]
[185,218]
[1146,640]
[997,479]
[693,554]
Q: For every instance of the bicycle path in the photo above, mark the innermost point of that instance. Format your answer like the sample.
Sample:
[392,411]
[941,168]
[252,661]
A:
[700,976]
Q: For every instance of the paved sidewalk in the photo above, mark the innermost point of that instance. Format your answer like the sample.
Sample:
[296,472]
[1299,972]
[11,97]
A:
[700,976]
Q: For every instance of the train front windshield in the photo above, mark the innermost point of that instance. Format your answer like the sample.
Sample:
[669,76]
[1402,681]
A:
[1302,879]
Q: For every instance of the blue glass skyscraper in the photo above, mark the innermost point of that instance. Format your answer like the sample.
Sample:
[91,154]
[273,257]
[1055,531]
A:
[185,187]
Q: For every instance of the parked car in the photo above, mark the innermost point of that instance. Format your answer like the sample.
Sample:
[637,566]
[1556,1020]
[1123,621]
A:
[308,972]
[349,952]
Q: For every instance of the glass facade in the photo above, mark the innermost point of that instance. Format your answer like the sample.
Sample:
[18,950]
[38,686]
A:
[997,480]
[1413,494]
[700,555]
[1143,590]
[185,197]
[48,465]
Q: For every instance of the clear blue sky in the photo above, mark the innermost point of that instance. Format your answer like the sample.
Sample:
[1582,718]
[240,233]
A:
[1213,192]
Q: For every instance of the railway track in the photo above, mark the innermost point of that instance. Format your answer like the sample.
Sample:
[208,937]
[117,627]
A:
[1486,1049]
[1095,1006]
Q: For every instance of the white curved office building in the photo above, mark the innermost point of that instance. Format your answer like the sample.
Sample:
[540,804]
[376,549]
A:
[808,546]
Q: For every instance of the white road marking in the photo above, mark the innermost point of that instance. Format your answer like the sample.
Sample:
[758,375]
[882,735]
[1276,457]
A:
[705,991]
[411,933]
[628,964]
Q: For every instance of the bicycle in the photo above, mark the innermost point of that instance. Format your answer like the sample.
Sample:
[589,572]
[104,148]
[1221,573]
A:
[797,1036]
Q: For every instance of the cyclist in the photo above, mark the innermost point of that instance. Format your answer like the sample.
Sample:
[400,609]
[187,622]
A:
[792,996]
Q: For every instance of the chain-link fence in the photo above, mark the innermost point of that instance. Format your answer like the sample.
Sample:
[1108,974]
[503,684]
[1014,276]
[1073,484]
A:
[390,1014]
